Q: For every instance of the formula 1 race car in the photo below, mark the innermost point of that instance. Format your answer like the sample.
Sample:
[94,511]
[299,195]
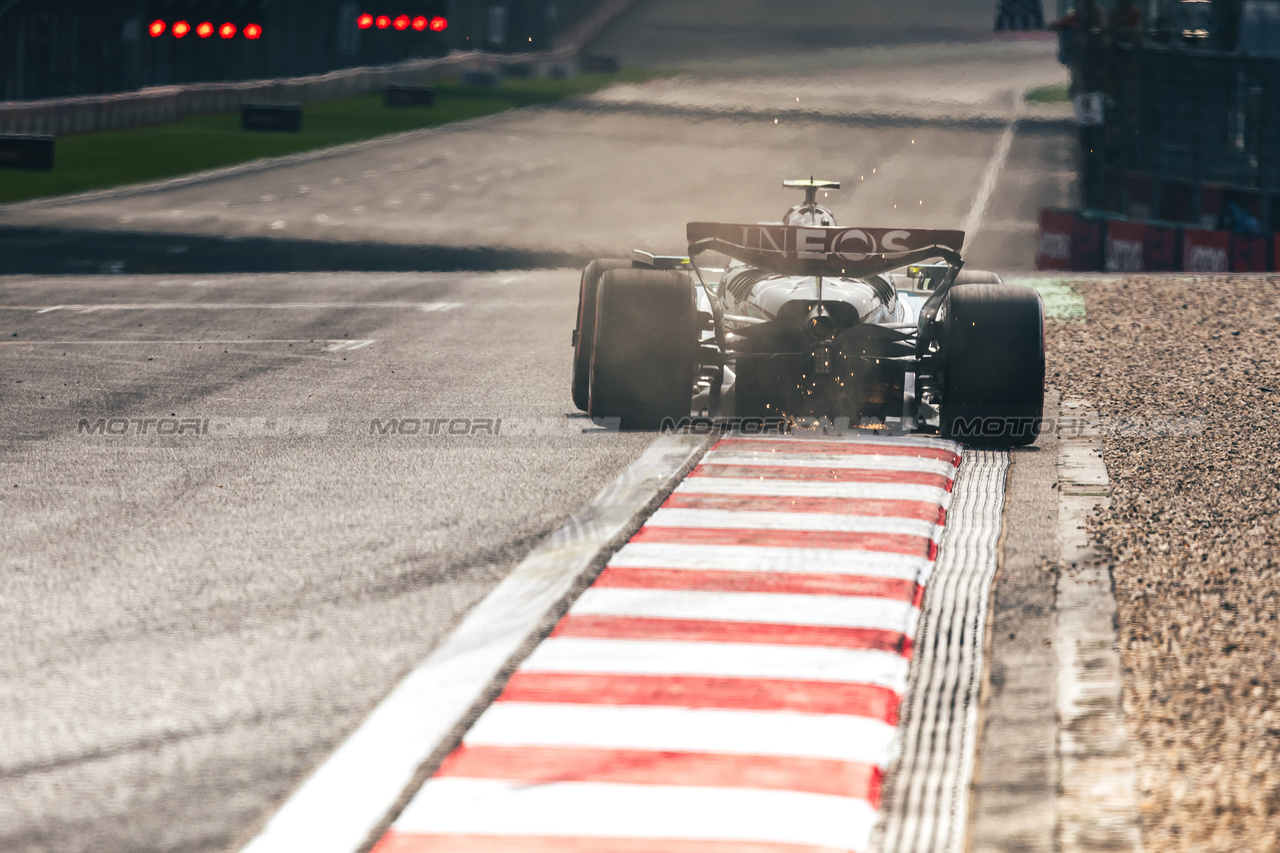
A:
[807,321]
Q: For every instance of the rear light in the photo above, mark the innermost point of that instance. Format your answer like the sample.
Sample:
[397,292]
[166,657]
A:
[252,31]
[402,22]
[365,21]
[227,31]
[822,357]
[439,25]
[204,30]
[180,29]
[419,23]
[156,29]
[383,22]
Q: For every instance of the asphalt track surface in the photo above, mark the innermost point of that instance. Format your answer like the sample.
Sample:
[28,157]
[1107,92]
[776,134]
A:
[192,622]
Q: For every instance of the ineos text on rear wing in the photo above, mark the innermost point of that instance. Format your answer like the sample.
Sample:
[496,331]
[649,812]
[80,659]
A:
[824,251]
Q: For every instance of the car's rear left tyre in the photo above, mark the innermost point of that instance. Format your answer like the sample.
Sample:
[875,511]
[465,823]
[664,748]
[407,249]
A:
[993,373]
[585,332]
[644,356]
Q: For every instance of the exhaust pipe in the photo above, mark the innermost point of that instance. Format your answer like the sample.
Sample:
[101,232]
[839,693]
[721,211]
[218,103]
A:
[820,325]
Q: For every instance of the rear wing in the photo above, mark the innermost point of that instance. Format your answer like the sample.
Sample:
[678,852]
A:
[825,251]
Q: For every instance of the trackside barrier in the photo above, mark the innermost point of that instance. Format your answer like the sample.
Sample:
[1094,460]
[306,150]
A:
[1092,241]
[1053,248]
[1126,242]
[1160,247]
[166,104]
[1249,253]
[1205,251]
[1088,243]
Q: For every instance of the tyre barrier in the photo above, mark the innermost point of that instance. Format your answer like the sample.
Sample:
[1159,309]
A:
[283,118]
[409,96]
[1097,241]
[26,152]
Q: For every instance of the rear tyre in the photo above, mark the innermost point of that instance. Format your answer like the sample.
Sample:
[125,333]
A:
[643,361]
[993,375]
[584,333]
[978,277]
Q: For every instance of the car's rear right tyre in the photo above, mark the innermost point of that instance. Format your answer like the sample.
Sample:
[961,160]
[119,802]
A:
[644,356]
[978,277]
[993,373]
[584,334]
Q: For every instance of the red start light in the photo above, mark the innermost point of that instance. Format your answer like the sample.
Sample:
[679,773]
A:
[252,31]
[180,29]
[439,25]
[365,21]
[419,23]
[402,22]
[227,31]
[383,22]
[156,29]
[204,30]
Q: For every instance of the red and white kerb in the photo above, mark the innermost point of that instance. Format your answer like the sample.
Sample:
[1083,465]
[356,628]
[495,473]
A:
[730,682]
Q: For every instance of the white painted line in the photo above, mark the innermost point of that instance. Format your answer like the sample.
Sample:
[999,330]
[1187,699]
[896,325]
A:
[341,803]
[329,344]
[833,611]
[584,809]
[749,558]
[231,306]
[990,177]
[817,522]
[839,737]
[868,462]
[719,660]
[348,345]
[765,487]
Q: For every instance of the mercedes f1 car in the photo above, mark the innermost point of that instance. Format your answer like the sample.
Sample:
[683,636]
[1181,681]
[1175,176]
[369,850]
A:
[805,321]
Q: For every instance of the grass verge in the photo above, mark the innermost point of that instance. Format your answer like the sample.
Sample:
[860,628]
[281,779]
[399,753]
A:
[1055,94]
[1062,302]
[93,161]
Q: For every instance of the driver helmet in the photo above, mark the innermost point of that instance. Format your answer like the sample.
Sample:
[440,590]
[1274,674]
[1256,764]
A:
[803,214]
